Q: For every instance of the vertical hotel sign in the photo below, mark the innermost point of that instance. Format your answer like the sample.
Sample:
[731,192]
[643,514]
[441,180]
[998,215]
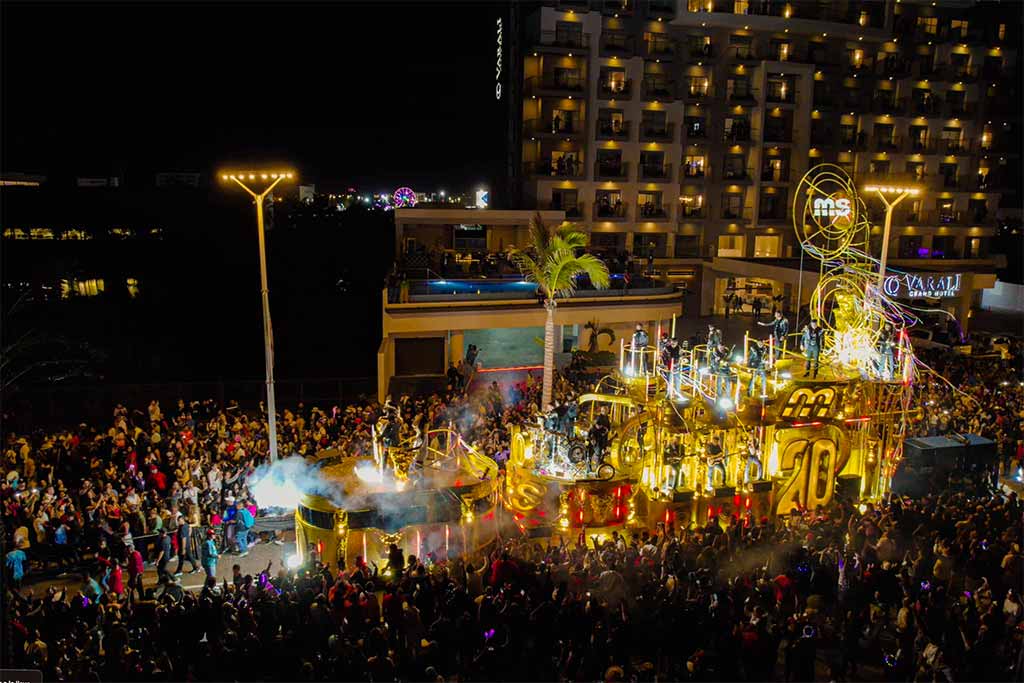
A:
[497,63]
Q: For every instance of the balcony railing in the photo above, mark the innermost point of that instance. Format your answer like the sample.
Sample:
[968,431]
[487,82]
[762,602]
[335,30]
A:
[928,107]
[778,135]
[772,175]
[948,146]
[694,171]
[612,130]
[884,105]
[659,48]
[571,210]
[772,214]
[787,96]
[959,110]
[687,211]
[656,172]
[700,51]
[617,44]
[653,212]
[552,127]
[605,211]
[742,53]
[613,90]
[617,8]
[564,40]
[562,168]
[744,214]
[695,133]
[658,88]
[959,72]
[695,91]
[885,143]
[655,133]
[664,9]
[743,95]
[737,134]
[607,170]
[560,83]
[736,174]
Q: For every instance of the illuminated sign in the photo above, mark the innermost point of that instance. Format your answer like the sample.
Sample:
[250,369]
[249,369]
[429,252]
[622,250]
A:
[483,198]
[826,207]
[497,66]
[922,285]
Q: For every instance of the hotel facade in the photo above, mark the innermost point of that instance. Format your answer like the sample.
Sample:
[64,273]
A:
[681,129]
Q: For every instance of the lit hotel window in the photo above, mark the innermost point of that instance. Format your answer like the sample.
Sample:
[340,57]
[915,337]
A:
[91,287]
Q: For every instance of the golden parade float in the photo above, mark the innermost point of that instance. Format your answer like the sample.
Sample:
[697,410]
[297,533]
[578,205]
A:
[684,437]
[431,495]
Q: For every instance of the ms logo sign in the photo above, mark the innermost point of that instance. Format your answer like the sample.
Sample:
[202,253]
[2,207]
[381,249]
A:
[826,207]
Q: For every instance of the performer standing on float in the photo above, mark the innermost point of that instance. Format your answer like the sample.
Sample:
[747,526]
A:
[639,345]
[756,363]
[886,346]
[714,458]
[753,459]
[780,328]
[811,343]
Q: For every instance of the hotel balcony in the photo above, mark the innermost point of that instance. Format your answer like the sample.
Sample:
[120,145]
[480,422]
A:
[742,96]
[773,175]
[688,212]
[959,110]
[658,173]
[654,212]
[661,9]
[615,90]
[744,215]
[958,72]
[741,53]
[885,105]
[776,135]
[658,88]
[699,52]
[608,212]
[666,133]
[886,143]
[734,135]
[560,85]
[691,172]
[787,96]
[659,48]
[548,168]
[604,170]
[549,128]
[737,175]
[929,107]
[952,217]
[562,42]
[617,44]
[572,212]
[617,8]
[610,130]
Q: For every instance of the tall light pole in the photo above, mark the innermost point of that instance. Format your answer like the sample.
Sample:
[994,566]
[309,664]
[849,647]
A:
[273,178]
[885,191]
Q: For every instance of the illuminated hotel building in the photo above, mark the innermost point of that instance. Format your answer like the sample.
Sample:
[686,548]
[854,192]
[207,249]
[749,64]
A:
[682,127]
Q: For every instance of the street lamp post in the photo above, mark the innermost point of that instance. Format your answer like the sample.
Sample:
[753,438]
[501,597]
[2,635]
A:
[900,193]
[274,179]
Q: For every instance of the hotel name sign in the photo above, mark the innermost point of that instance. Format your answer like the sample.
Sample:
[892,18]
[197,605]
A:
[497,65]
[923,285]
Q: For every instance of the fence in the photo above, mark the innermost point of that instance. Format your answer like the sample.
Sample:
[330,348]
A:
[66,406]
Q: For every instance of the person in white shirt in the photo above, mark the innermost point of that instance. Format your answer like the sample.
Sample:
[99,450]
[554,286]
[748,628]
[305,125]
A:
[215,478]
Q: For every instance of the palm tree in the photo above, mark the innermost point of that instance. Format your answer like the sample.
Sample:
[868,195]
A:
[552,262]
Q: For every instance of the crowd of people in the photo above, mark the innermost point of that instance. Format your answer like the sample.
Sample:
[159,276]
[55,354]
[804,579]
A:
[908,590]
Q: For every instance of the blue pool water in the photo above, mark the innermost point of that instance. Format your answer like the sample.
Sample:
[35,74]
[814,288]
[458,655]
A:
[484,286]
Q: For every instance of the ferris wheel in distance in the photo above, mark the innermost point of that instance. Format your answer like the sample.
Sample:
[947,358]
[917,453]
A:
[404,197]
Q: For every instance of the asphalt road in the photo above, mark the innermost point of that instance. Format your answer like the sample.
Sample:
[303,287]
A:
[253,563]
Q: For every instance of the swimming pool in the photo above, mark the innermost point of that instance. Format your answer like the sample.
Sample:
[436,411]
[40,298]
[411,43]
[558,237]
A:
[527,289]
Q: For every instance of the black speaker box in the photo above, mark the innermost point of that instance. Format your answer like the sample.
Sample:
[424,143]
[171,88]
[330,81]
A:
[725,492]
[762,486]
[848,486]
[682,495]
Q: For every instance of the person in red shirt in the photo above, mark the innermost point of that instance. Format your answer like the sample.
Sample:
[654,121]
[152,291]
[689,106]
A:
[136,567]
[504,570]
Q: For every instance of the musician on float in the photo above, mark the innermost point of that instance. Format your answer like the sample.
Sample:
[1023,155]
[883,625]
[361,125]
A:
[753,461]
[598,434]
[714,457]
[811,341]
[886,351]
[638,347]
[780,328]
[719,367]
[756,362]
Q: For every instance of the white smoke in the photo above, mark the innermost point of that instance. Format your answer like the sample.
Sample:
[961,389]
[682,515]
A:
[282,484]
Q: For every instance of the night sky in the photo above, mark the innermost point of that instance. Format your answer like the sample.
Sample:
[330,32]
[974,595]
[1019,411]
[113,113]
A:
[364,93]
